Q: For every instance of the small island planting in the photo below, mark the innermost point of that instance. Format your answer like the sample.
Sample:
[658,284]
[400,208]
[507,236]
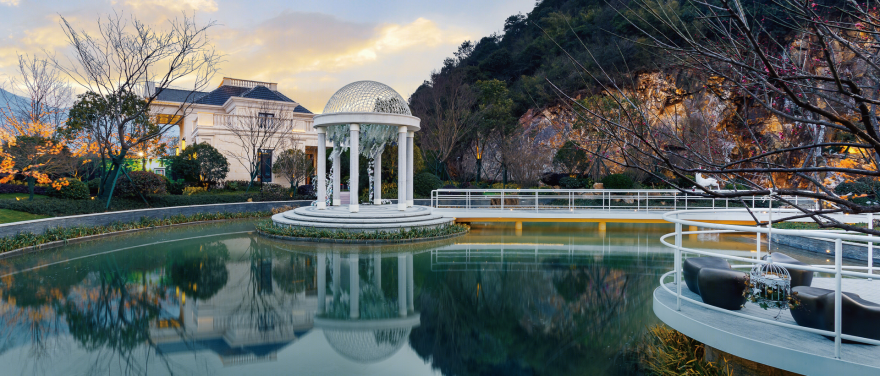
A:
[309,233]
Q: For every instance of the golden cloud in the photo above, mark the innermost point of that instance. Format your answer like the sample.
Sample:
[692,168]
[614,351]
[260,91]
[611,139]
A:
[11,3]
[312,55]
[178,5]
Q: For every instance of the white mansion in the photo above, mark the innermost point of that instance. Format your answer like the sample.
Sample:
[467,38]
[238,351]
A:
[232,100]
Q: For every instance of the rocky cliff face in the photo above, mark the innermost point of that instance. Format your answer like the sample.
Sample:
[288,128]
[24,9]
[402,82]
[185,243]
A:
[709,107]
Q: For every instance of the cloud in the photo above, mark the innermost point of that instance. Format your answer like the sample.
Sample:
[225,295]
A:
[11,3]
[311,55]
[178,5]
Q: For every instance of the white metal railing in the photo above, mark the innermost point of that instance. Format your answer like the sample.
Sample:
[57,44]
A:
[838,270]
[595,199]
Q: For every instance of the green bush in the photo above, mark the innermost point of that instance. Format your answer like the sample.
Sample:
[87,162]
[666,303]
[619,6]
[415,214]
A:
[73,190]
[856,188]
[199,164]
[570,183]
[175,187]
[424,183]
[235,185]
[617,181]
[143,182]
[94,185]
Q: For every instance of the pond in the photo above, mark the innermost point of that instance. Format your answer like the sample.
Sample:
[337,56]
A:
[217,299]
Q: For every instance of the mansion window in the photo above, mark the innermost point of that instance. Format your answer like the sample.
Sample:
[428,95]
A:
[266,165]
[265,118]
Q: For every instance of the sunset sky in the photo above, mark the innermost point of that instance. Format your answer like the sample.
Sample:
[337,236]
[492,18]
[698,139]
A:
[311,48]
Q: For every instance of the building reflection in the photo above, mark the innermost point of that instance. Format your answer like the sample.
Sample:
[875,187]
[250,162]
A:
[266,303]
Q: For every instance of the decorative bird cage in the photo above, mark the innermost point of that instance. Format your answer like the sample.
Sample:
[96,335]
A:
[769,285]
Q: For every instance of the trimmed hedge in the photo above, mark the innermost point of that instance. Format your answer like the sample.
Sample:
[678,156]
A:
[56,207]
[27,239]
[145,182]
[270,228]
[23,188]
[617,181]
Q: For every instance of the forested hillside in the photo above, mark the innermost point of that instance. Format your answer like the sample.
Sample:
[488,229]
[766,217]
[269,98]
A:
[492,113]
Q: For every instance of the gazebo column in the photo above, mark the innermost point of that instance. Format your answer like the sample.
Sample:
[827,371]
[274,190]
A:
[401,167]
[409,167]
[337,174]
[322,168]
[409,283]
[322,282]
[377,272]
[353,171]
[354,282]
[401,285]
[337,277]
[377,179]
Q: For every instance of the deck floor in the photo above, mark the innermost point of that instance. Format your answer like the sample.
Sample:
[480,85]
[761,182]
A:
[791,344]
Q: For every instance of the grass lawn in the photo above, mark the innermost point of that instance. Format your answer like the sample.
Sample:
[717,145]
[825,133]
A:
[20,196]
[7,216]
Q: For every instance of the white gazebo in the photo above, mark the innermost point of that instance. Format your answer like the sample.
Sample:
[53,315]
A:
[365,116]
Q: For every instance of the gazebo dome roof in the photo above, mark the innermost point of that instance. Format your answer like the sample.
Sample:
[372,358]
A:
[367,96]
[367,346]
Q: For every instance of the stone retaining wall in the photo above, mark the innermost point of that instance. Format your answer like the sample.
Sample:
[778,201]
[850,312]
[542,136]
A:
[39,226]
[853,251]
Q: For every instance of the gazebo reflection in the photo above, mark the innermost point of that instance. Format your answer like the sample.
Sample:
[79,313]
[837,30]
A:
[359,319]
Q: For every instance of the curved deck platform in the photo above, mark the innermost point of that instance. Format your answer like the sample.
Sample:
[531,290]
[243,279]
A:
[369,218]
[788,349]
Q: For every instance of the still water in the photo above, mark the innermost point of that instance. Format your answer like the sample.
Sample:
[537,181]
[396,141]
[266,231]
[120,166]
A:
[217,299]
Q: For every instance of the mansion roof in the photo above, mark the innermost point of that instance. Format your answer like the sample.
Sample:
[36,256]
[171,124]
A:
[220,95]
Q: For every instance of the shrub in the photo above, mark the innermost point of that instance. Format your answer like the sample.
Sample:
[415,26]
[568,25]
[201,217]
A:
[71,189]
[94,185]
[143,182]
[617,181]
[305,191]
[189,191]
[389,190]
[856,188]
[199,163]
[236,185]
[552,179]
[424,183]
[570,183]
[175,187]
[13,187]
[502,186]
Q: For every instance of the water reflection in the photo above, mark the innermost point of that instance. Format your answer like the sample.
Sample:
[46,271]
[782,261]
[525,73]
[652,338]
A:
[213,300]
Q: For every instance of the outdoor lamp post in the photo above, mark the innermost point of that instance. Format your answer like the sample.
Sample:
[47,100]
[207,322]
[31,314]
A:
[143,161]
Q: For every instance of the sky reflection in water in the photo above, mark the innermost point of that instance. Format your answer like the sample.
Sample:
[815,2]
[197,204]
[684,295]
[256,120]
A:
[217,299]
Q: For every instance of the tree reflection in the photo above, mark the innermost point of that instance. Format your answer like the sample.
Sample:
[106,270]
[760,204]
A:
[552,318]
[200,272]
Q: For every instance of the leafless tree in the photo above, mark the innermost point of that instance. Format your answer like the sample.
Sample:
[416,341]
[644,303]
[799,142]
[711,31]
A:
[264,129]
[127,59]
[294,164]
[817,82]
[42,104]
[445,105]
[532,158]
